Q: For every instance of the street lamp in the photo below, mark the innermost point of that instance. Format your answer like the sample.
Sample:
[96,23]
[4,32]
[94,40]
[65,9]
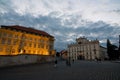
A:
[95,53]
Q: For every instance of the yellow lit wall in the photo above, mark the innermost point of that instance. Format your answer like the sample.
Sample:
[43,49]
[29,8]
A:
[14,42]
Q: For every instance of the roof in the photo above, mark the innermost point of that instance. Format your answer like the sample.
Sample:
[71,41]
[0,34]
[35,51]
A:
[103,47]
[27,29]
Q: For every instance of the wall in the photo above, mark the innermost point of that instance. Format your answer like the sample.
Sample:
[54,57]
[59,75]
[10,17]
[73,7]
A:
[23,59]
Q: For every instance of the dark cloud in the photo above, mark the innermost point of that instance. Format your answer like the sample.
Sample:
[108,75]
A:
[117,11]
[64,34]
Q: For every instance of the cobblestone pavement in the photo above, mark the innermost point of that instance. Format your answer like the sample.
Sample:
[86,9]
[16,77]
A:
[79,70]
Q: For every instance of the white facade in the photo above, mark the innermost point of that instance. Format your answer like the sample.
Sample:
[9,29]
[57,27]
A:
[84,49]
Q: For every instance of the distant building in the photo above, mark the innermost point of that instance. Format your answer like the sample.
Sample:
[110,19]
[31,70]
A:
[16,40]
[85,49]
[64,54]
[103,53]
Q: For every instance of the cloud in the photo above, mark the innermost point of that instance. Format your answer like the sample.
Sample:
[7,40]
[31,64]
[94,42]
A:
[63,34]
[95,10]
[66,20]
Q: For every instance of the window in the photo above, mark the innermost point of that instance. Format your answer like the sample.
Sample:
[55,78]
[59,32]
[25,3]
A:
[42,45]
[51,47]
[10,35]
[25,44]
[47,47]
[79,42]
[30,45]
[3,41]
[30,39]
[8,50]
[47,42]
[16,36]
[35,39]
[15,42]
[29,51]
[39,40]
[1,49]
[38,52]
[13,50]
[4,35]
[0,35]
[9,41]
[42,41]
[39,46]
[33,51]
[35,45]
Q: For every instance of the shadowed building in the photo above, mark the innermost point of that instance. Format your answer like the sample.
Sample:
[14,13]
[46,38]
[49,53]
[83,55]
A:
[16,40]
[84,49]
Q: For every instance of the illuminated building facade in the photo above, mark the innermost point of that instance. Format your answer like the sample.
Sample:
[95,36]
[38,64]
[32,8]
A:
[16,40]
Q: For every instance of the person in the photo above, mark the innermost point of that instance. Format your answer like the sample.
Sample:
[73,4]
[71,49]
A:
[68,62]
[96,59]
[55,63]
[73,60]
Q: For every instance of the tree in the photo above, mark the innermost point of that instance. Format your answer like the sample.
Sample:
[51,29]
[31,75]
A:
[109,49]
[112,51]
[57,54]
[115,52]
[119,47]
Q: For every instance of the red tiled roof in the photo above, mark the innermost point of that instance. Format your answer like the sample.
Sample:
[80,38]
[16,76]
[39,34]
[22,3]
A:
[29,30]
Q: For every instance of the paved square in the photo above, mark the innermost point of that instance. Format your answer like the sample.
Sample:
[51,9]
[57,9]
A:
[79,70]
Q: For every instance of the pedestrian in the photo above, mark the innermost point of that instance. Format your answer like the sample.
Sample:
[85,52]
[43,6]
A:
[55,65]
[68,62]
[73,60]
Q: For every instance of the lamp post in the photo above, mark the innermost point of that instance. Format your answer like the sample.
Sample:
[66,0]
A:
[95,53]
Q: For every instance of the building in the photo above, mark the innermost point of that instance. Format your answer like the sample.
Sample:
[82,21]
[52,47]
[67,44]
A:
[15,40]
[64,54]
[103,53]
[84,49]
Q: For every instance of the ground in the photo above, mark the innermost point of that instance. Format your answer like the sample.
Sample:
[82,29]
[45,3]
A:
[79,70]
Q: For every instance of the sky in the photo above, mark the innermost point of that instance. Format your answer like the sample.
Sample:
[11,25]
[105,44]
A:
[66,20]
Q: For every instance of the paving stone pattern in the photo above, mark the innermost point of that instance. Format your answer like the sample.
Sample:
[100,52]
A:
[79,70]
